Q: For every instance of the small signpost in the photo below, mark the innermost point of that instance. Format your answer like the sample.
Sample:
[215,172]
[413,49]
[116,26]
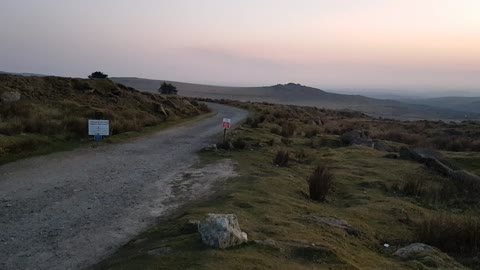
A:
[227,122]
[98,128]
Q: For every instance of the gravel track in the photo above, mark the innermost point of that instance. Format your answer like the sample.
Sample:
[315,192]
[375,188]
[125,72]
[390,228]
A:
[69,210]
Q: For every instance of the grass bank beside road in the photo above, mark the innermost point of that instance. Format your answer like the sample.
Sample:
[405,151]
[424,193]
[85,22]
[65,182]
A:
[372,194]
[41,115]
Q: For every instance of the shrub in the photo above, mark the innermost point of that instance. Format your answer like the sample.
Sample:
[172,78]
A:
[311,133]
[320,182]
[252,122]
[288,129]
[239,143]
[11,128]
[459,235]
[281,159]
[98,75]
[302,157]
[271,142]
[414,187]
[167,89]
[286,141]
[275,130]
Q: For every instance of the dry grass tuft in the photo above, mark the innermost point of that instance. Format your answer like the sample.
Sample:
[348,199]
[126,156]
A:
[320,182]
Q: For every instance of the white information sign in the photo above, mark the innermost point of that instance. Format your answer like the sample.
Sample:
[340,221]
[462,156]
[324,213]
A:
[99,127]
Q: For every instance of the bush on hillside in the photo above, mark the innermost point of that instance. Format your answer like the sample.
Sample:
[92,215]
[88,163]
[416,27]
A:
[414,187]
[275,130]
[288,129]
[320,182]
[281,159]
[239,143]
[253,122]
[311,133]
[98,75]
[167,89]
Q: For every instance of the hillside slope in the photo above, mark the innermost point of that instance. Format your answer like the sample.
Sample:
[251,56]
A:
[38,111]
[296,94]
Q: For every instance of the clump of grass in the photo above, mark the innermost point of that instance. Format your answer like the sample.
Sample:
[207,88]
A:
[459,235]
[281,159]
[275,130]
[288,129]
[271,142]
[302,157]
[239,143]
[253,122]
[320,182]
[286,141]
[414,187]
[311,133]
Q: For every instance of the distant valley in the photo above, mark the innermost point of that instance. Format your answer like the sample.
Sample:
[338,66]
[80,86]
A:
[467,104]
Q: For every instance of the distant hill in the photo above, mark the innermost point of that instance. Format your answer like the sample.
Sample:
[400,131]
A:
[297,94]
[23,74]
[467,104]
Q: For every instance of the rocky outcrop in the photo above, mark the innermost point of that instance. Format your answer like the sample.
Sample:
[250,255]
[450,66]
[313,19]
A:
[382,146]
[427,255]
[357,137]
[435,161]
[10,96]
[221,231]
[412,250]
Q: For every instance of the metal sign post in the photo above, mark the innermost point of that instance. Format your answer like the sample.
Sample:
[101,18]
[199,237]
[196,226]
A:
[226,125]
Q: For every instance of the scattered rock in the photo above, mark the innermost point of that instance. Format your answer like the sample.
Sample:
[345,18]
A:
[357,137]
[420,154]
[268,242]
[435,161]
[304,251]
[413,249]
[159,251]
[139,241]
[381,146]
[10,96]
[427,255]
[210,148]
[409,154]
[221,231]
[334,222]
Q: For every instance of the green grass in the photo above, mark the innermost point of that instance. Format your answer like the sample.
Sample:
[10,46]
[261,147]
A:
[271,203]
[469,161]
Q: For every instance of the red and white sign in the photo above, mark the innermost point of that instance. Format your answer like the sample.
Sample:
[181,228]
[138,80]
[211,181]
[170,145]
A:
[227,123]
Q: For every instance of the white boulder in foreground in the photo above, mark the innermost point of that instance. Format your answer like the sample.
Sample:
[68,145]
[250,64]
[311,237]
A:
[221,231]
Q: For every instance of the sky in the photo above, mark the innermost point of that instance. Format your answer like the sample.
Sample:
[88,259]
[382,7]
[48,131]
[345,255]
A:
[401,45]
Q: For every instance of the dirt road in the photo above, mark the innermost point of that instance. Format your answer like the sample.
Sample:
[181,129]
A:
[69,210]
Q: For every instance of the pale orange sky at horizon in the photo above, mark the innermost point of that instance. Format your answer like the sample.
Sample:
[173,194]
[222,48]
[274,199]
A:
[364,44]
